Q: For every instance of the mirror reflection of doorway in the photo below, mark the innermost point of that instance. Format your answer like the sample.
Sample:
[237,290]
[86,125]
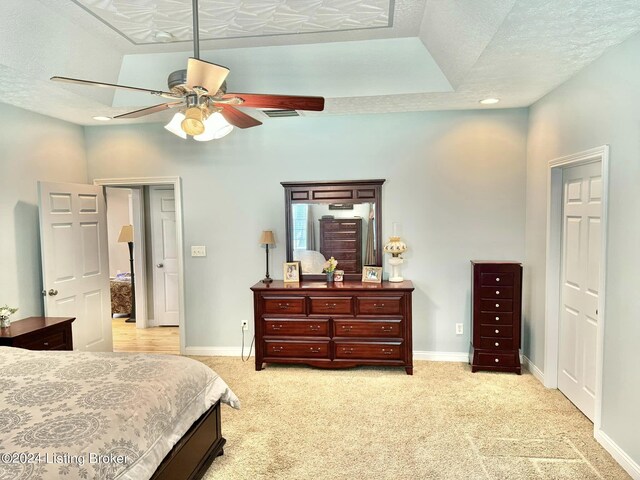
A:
[154,240]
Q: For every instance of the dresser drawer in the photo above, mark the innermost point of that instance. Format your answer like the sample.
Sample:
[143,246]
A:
[331,305]
[367,328]
[55,340]
[280,305]
[495,318]
[379,305]
[496,279]
[498,359]
[493,343]
[496,305]
[502,331]
[496,292]
[377,351]
[277,348]
[276,326]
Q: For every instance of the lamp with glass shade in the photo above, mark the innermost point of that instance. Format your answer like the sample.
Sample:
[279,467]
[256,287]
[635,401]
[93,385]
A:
[396,248]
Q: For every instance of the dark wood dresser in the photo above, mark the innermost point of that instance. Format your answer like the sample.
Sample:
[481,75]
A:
[341,238]
[496,293]
[337,325]
[39,333]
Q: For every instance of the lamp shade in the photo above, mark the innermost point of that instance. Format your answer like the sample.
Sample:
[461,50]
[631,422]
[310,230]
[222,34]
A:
[126,234]
[267,238]
[174,125]
[395,246]
[215,127]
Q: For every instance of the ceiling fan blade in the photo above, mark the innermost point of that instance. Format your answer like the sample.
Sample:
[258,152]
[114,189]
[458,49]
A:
[149,110]
[110,85]
[238,118]
[287,102]
[206,75]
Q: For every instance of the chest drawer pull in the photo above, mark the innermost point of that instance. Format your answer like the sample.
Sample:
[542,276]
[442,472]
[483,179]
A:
[46,344]
[277,349]
[283,306]
[347,350]
[497,279]
[314,328]
[276,327]
[497,319]
[497,331]
[497,360]
[314,350]
[497,292]
[330,305]
[497,344]
[346,327]
[378,305]
[387,351]
[387,329]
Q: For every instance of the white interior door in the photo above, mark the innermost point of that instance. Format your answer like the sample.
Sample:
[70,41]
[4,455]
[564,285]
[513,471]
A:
[75,261]
[581,237]
[165,256]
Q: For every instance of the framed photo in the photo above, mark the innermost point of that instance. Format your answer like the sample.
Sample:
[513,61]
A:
[372,274]
[338,275]
[291,272]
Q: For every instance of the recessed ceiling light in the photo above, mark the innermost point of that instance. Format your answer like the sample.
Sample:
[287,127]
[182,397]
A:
[102,119]
[489,101]
[163,36]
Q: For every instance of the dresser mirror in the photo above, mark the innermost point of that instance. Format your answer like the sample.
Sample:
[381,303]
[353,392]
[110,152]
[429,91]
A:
[340,219]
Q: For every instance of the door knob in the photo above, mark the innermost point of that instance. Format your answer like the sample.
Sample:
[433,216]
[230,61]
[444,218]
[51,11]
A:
[53,292]
[159,265]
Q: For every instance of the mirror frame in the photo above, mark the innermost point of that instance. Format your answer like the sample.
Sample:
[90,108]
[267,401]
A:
[339,191]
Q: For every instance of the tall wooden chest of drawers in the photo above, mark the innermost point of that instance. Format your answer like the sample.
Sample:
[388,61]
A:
[341,238]
[496,294]
[337,325]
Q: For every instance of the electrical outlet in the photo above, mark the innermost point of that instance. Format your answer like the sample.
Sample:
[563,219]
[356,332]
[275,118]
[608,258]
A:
[459,329]
[245,325]
[198,251]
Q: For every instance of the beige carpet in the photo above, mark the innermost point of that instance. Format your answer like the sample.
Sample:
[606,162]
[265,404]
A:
[443,422]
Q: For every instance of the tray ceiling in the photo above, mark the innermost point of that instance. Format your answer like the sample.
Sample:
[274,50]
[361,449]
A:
[139,22]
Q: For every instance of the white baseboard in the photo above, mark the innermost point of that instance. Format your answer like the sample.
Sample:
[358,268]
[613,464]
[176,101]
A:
[215,351]
[417,355]
[441,356]
[618,454]
[535,371]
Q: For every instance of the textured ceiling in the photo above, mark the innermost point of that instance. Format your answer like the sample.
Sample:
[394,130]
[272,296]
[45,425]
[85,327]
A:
[517,50]
[140,21]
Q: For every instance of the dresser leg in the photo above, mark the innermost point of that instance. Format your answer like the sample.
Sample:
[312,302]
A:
[258,366]
[409,370]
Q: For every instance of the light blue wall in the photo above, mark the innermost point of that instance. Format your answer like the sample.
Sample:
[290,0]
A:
[454,184]
[32,147]
[600,105]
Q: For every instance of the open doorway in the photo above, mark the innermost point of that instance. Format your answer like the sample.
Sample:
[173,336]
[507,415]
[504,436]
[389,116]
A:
[145,298]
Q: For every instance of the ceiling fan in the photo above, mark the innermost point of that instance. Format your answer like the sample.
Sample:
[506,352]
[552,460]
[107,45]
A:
[207,111]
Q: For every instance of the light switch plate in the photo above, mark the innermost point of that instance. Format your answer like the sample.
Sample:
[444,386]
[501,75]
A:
[198,251]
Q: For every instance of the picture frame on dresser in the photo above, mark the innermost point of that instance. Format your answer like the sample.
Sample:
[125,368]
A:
[371,274]
[291,272]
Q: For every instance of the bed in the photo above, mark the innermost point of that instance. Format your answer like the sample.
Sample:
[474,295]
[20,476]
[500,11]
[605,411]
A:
[78,415]
[120,296]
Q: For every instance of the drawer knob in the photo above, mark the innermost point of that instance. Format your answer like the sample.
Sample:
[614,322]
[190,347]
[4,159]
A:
[498,279]
[497,331]
[46,344]
[497,344]
[497,292]
[497,305]
[497,318]
[497,360]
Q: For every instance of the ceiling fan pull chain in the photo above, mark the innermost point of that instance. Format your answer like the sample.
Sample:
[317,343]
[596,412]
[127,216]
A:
[196,31]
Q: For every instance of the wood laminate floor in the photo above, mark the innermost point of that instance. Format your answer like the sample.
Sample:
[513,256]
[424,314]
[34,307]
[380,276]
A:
[128,338]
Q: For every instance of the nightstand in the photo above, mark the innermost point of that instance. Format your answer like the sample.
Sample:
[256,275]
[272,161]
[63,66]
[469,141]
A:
[39,333]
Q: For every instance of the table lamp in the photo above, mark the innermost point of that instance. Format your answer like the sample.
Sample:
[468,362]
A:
[126,236]
[267,239]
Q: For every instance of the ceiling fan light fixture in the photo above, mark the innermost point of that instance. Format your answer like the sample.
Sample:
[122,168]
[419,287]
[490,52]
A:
[216,127]
[193,123]
[489,101]
[102,118]
[174,126]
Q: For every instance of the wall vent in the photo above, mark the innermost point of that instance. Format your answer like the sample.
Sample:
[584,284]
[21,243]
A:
[280,113]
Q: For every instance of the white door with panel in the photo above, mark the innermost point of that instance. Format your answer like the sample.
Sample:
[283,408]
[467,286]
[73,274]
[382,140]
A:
[581,255]
[165,256]
[75,261]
